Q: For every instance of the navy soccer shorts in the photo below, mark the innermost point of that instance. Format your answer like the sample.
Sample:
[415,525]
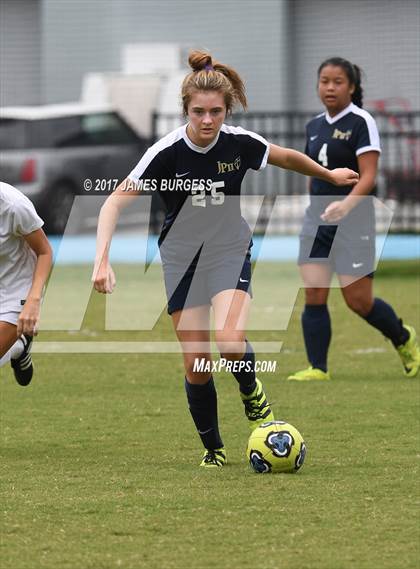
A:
[196,287]
[354,256]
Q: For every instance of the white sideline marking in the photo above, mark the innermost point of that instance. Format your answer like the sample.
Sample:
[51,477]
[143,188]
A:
[132,347]
[369,351]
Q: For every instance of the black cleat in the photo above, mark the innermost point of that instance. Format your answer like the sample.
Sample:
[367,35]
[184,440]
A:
[22,366]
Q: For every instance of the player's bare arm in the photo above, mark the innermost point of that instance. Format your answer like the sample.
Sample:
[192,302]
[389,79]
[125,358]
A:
[368,167]
[29,317]
[290,159]
[103,277]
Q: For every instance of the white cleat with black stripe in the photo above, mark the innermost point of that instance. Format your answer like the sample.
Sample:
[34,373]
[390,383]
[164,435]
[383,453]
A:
[22,366]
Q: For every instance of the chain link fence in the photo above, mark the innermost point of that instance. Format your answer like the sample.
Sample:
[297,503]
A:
[398,181]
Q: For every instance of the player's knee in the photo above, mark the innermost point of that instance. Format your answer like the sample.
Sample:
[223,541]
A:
[197,367]
[230,343]
[358,304]
[315,296]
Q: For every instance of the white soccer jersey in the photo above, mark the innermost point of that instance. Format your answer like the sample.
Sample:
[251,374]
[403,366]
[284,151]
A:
[17,260]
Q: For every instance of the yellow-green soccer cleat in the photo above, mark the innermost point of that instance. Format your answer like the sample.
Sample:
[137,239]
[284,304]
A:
[214,458]
[410,353]
[257,408]
[310,374]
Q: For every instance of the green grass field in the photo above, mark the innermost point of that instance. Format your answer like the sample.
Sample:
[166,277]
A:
[99,467]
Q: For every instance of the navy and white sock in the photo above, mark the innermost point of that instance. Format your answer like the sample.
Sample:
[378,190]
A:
[246,376]
[316,325]
[202,401]
[383,318]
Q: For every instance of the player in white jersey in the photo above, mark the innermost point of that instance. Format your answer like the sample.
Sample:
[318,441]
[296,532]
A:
[205,242]
[25,262]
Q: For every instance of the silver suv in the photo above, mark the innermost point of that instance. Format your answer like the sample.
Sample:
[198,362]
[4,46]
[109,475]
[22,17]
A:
[48,153]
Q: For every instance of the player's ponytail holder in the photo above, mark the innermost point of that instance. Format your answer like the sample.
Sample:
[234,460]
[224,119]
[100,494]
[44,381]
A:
[208,67]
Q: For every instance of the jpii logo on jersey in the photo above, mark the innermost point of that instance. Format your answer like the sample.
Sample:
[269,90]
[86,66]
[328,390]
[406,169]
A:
[224,167]
[341,135]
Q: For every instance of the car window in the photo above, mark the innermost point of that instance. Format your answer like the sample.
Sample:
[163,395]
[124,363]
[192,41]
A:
[107,128]
[65,132]
[88,130]
[12,134]
[56,133]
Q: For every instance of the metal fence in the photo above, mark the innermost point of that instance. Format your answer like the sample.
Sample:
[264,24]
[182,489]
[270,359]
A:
[398,181]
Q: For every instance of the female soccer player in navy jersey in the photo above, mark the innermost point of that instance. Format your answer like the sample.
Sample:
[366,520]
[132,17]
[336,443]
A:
[204,242]
[344,135]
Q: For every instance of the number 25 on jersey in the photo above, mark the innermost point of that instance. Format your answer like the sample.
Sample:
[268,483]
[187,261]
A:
[199,195]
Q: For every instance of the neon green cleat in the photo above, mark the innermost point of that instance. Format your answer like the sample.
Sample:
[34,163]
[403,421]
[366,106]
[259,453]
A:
[410,353]
[257,408]
[310,374]
[214,458]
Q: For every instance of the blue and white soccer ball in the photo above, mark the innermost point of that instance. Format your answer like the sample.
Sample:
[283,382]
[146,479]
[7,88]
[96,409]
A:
[276,446]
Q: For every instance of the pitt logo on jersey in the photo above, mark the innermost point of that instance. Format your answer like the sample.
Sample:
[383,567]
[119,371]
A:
[223,167]
[341,135]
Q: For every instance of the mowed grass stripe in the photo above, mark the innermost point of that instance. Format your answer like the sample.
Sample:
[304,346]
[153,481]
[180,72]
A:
[100,459]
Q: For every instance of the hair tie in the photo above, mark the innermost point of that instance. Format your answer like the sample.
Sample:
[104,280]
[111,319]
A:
[208,67]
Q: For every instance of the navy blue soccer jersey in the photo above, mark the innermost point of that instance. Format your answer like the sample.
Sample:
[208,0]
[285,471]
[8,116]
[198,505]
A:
[200,187]
[336,142]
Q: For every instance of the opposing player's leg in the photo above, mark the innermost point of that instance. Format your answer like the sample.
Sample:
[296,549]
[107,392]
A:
[194,338]
[231,310]
[17,351]
[316,323]
[7,339]
[358,295]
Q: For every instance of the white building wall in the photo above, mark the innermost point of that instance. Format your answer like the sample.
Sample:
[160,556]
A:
[82,36]
[381,36]
[20,52]
[48,45]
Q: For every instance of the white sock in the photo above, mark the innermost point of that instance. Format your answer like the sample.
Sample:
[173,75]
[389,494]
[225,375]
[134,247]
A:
[5,358]
[17,348]
[13,353]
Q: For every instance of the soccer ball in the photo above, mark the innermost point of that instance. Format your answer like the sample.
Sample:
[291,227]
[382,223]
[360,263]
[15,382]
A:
[276,446]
